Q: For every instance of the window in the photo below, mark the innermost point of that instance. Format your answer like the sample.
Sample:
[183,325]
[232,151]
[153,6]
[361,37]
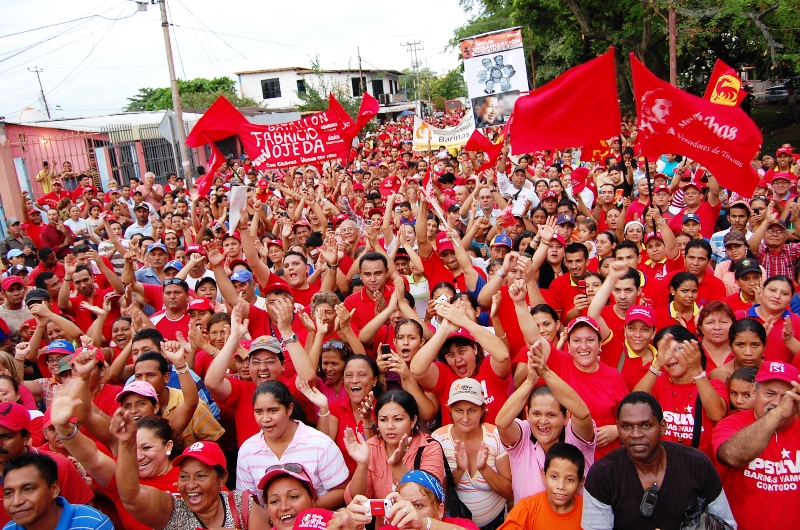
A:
[301,86]
[377,87]
[357,84]
[270,88]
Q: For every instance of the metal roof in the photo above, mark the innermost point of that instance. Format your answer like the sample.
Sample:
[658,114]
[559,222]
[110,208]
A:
[98,123]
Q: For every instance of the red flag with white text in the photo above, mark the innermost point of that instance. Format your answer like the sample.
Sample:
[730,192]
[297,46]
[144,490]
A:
[335,106]
[724,86]
[575,109]
[722,138]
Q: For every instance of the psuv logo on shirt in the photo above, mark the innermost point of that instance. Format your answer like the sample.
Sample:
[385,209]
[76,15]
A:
[778,475]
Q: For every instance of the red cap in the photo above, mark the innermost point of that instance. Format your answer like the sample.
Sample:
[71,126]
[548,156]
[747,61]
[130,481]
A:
[301,222]
[11,280]
[770,370]
[442,243]
[549,194]
[276,287]
[33,211]
[696,183]
[87,189]
[589,321]
[313,519]
[762,184]
[641,312]
[276,242]
[191,249]
[208,453]
[653,235]
[201,304]
[373,211]
[579,179]
[357,186]
[263,184]
[98,354]
[560,239]
[661,188]
[783,151]
[14,417]
[781,175]
[340,218]
[461,333]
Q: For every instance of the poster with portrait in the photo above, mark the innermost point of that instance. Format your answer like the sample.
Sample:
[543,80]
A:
[495,73]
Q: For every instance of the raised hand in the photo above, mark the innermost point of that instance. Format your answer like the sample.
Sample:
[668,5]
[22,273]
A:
[174,352]
[365,407]
[462,459]
[313,394]
[99,311]
[518,290]
[84,362]
[482,459]
[215,257]
[22,350]
[396,458]
[343,317]
[308,322]
[122,427]
[239,324]
[356,447]
[66,402]
[284,311]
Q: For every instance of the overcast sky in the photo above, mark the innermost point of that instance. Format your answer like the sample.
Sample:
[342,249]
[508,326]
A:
[91,66]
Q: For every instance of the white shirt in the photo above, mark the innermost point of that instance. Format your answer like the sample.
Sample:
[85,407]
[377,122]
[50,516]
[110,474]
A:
[518,197]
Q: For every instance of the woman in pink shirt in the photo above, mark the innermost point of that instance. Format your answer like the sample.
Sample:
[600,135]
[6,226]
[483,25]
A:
[383,460]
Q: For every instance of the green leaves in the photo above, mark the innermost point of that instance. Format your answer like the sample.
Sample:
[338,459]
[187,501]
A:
[196,95]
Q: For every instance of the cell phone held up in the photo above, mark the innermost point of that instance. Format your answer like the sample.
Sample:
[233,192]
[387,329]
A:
[582,287]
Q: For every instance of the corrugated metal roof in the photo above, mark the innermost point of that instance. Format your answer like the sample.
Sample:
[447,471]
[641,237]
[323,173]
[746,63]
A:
[97,123]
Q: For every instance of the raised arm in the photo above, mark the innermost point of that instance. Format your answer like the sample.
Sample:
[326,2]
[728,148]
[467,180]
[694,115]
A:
[464,261]
[424,247]
[215,379]
[498,351]
[283,309]
[181,415]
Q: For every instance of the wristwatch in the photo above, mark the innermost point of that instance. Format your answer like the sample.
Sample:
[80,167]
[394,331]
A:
[288,340]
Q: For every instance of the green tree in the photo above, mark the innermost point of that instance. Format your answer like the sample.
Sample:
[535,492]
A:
[196,94]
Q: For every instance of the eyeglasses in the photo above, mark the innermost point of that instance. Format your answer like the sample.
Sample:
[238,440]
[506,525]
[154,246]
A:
[776,231]
[266,362]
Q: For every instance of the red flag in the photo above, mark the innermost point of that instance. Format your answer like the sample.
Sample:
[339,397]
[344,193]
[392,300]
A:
[369,109]
[576,108]
[724,86]
[336,107]
[220,121]
[721,138]
[596,150]
[217,158]
[427,184]
[479,142]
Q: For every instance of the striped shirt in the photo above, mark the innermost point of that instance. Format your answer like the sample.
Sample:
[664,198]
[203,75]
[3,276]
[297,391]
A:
[475,492]
[75,517]
[309,447]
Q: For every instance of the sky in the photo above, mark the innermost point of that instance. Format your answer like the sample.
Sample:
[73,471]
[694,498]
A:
[91,66]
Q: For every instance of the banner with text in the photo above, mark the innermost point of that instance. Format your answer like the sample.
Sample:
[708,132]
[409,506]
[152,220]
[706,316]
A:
[452,137]
[495,73]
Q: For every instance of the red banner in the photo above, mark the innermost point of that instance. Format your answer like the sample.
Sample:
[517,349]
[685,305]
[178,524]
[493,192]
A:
[217,159]
[575,109]
[286,145]
[220,121]
[724,86]
[722,138]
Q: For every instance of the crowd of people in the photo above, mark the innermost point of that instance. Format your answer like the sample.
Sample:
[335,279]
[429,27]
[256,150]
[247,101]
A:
[529,342]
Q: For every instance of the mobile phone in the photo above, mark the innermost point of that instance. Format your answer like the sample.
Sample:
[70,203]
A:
[282,214]
[618,198]
[648,506]
[582,287]
[377,507]
[385,350]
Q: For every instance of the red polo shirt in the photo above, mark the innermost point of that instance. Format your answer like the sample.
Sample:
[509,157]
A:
[58,270]
[708,219]
[709,289]
[563,290]
[365,306]
[436,272]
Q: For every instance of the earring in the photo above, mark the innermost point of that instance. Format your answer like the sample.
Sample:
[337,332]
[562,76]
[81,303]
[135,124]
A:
[169,452]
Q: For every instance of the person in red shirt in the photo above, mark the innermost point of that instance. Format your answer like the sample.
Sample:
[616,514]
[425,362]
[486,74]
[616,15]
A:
[749,277]
[174,318]
[48,262]
[708,209]
[51,200]
[373,298]
[57,235]
[566,288]
[663,253]
[82,279]
[697,256]
[33,226]
[757,452]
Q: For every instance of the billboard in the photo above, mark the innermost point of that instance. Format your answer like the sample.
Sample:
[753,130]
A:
[451,137]
[495,73]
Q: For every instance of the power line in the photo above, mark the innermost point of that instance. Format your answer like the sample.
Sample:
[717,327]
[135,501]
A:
[53,25]
[44,99]
[178,48]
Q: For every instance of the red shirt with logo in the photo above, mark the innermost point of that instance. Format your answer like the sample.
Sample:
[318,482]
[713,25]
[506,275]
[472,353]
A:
[495,388]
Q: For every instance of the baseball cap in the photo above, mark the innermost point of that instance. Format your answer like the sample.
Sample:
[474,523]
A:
[466,389]
[140,206]
[98,354]
[14,252]
[276,242]
[143,388]
[313,519]
[267,342]
[783,151]
[36,295]
[174,264]
[201,304]
[64,365]
[768,371]
[34,211]
[11,280]
[583,321]
[263,184]
[784,175]
[653,235]
[14,417]
[17,270]
[357,186]
[191,249]
[460,334]
[87,189]
[296,471]
[157,246]
[661,188]
[696,184]
[641,312]
[442,243]
[276,287]
[565,219]
[502,240]
[58,347]
[373,211]
[208,453]
[734,237]
[560,239]
[549,194]
[746,266]
[241,276]
[13,221]
[779,222]
[691,217]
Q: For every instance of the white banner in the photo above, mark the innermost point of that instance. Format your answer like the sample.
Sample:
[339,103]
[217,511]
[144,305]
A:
[495,73]
[452,137]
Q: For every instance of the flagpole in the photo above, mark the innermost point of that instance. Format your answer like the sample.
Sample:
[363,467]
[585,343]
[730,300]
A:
[649,187]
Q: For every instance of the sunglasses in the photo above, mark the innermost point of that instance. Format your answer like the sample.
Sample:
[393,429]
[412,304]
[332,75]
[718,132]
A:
[334,345]
[174,281]
[291,468]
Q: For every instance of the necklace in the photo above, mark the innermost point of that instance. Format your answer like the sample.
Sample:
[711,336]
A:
[687,408]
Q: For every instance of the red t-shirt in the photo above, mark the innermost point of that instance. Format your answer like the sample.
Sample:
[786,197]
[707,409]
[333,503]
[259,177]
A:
[365,306]
[170,327]
[708,219]
[495,389]
[106,399]
[35,233]
[564,290]
[762,494]
[736,303]
[58,270]
[709,289]
[261,325]
[776,349]
[661,269]
[167,483]
[342,410]
[84,318]
[52,199]
[665,317]
[678,402]
[601,390]
[436,272]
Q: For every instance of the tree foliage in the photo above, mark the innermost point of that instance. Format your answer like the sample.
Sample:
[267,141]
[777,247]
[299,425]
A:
[196,94]
[564,33]
[434,87]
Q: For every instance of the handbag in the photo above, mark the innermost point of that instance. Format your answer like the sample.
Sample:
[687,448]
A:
[240,520]
[697,517]
[453,505]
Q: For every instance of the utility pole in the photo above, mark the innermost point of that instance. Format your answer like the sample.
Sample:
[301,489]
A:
[44,99]
[176,100]
[673,46]
[360,75]
[413,48]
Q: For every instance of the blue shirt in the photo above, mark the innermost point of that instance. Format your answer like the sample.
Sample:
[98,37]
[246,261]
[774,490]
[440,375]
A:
[75,517]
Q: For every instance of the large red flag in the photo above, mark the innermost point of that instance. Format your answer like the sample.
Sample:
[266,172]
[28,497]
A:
[597,150]
[220,121]
[336,107]
[369,109]
[724,86]
[576,108]
[479,142]
[721,138]
[217,158]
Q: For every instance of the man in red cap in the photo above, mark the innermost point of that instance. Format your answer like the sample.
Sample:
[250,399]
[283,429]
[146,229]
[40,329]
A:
[51,200]
[15,425]
[33,224]
[707,209]
[781,186]
[758,451]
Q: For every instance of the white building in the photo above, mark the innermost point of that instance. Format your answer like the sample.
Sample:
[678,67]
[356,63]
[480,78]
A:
[277,88]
